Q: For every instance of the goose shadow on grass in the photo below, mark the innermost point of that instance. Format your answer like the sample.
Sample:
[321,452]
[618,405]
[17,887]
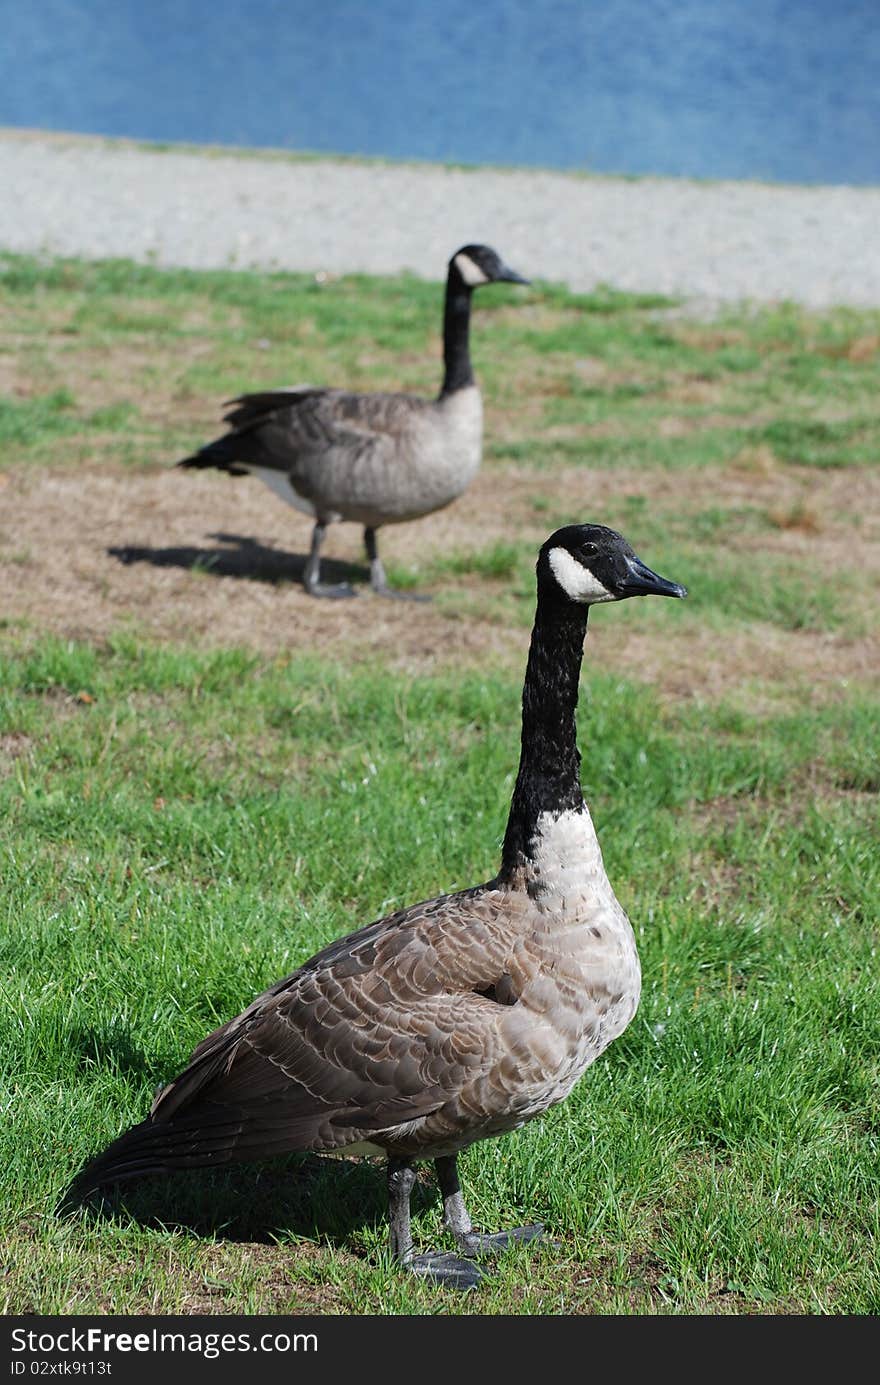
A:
[238,555]
[299,1194]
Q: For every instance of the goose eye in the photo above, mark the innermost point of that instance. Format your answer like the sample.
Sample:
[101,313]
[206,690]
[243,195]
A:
[588,550]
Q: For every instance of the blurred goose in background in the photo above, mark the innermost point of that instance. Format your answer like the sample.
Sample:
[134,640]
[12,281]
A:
[372,458]
[455,1019]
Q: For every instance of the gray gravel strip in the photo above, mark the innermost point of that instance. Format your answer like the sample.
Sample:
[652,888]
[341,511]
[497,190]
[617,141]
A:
[706,241]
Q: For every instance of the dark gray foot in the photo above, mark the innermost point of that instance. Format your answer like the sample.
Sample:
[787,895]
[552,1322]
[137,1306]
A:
[477,1243]
[398,595]
[336,591]
[378,580]
[447,1269]
[311,575]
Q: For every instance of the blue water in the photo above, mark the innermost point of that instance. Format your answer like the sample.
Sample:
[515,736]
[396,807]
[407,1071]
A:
[776,89]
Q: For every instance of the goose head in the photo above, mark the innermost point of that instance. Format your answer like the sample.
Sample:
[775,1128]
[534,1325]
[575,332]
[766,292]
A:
[588,563]
[480,264]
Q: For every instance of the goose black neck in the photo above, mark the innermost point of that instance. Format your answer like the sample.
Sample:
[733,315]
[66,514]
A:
[549,768]
[458,373]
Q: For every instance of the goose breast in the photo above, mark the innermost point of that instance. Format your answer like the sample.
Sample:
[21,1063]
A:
[378,459]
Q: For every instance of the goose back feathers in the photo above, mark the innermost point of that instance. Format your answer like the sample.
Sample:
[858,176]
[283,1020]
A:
[372,458]
[458,1018]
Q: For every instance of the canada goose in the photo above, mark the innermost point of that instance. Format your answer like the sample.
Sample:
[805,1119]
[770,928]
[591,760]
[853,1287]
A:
[455,1019]
[372,458]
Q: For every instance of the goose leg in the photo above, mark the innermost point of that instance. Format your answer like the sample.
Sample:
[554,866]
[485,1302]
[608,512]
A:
[438,1266]
[456,1219]
[313,567]
[378,580]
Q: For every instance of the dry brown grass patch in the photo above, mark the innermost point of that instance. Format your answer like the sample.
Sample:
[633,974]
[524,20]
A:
[798,516]
[758,458]
[695,389]
[168,522]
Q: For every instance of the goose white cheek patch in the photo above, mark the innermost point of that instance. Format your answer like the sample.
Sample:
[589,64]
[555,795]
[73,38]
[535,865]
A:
[470,272]
[575,580]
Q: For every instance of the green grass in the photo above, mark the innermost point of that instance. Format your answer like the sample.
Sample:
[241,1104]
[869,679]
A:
[725,591]
[180,827]
[586,361]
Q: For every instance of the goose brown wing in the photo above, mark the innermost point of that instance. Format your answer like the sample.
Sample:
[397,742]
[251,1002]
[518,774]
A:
[326,411]
[380,1028]
[304,432]
[250,410]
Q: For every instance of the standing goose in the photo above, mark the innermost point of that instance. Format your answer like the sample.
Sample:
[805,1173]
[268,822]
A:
[458,1018]
[372,458]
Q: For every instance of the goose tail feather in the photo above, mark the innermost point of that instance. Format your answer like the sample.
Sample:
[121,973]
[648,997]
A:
[224,454]
[206,1139]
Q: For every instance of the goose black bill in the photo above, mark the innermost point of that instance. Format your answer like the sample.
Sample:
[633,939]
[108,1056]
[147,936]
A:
[640,580]
[510,276]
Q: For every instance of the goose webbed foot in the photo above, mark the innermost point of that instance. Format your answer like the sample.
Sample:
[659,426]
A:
[447,1268]
[335,590]
[454,1269]
[398,595]
[440,1267]
[480,1243]
[456,1219]
[311,575]
[378,580]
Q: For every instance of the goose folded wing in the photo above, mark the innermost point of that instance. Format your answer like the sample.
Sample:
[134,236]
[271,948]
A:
[313,438]
[328,414]
[381,1028]
[305,1065]
[250,410]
